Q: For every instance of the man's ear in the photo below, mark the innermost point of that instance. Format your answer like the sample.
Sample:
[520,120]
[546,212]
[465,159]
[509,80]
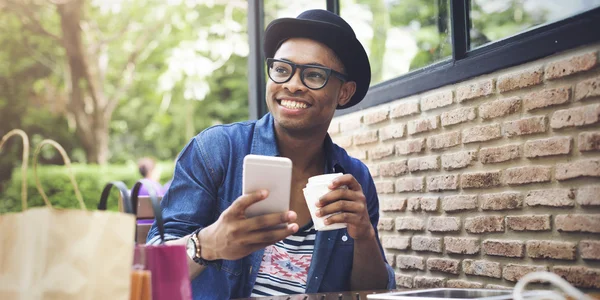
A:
[347,91]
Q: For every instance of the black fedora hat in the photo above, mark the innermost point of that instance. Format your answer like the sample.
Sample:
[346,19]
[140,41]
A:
[330,29]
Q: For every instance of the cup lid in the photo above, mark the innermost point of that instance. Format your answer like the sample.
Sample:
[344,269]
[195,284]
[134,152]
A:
[325,178]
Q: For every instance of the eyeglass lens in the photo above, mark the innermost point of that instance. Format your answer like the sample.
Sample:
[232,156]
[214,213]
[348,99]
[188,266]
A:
[313,78]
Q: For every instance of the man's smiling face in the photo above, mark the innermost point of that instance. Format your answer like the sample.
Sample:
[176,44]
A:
[295,107]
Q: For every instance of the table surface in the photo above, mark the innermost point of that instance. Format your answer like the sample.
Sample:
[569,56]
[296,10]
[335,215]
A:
[354,295]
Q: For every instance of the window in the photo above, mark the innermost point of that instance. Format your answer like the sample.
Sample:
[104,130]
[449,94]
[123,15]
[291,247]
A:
[400,35]
[275,9]
[499,19]
[419,45]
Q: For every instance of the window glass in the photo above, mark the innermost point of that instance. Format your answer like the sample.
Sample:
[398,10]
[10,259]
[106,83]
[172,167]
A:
[498,19]
[400,35]
[275,9]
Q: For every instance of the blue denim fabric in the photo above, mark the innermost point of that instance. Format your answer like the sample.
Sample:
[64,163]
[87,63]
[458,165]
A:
[208,178]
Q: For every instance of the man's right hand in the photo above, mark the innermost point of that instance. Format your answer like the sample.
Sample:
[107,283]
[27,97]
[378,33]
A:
[234,236]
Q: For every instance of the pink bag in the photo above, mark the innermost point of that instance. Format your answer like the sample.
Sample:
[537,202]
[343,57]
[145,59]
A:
[166,263]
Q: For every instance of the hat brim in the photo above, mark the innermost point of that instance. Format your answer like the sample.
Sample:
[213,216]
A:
[348,49]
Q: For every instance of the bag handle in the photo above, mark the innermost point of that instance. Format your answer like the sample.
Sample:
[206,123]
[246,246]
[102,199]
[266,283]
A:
[24,162]
[155,205]
[67,161]
[124,194]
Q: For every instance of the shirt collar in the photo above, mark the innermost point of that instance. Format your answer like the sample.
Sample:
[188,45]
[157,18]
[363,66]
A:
[264,143]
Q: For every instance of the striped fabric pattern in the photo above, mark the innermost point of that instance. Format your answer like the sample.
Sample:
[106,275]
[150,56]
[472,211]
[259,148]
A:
[284,268]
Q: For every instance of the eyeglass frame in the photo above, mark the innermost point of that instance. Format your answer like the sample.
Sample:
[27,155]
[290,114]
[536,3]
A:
[328,71]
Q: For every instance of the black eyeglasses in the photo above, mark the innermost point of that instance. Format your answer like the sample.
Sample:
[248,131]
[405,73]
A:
[312,76]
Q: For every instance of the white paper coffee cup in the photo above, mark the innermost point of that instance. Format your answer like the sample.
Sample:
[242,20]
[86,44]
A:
[317,187]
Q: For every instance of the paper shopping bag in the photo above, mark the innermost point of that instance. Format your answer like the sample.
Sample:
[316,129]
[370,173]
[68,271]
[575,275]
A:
[166,263]
[66,254]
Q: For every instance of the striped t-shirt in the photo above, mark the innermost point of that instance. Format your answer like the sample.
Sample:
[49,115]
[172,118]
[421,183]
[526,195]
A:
[284,267]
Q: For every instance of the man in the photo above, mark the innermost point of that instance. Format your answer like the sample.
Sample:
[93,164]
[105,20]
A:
[315,65]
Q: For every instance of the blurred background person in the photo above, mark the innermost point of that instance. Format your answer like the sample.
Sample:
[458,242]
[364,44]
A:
[149,171]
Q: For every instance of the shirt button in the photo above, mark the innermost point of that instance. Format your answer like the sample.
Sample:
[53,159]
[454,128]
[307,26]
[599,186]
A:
[344,238]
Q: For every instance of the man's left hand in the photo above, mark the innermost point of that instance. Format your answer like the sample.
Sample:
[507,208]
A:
[351,206]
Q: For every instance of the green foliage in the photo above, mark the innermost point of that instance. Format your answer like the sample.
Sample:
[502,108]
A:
[57,185]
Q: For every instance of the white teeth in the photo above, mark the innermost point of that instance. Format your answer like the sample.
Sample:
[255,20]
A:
[293,104]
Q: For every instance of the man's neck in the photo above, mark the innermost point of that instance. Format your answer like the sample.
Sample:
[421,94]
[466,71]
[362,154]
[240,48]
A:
[304,151]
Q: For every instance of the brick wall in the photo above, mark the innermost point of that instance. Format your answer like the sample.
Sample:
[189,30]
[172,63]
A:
[484,181]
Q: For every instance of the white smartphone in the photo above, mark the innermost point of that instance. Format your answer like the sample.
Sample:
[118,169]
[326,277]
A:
[273,174]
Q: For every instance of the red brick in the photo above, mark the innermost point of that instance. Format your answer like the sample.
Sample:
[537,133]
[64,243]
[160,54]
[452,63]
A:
[578,223]
[546,147]
[442,182]
[463,284]
[482,268]
[551,197]
[501,201]
[545,98]
[589,141]
[358,154]
[384,187]
[426,243]
[375,117]
[350,123]
[579,276]
[344,141]
[444,140]
[459,203]
[436,100]
[443,265]
[571,65]
[589,195]
[513,272]
[500,108]
[457,116]
[410,146]
[404,109]
[381,151]
[393,131]
[385,224]
[589,249]
[480,179]
[580,168]
[475,90]
[458,160]
[461,245]
[410,262]
[424,163]
[499,154]
[578,116]
[484,224]
[430,203]
[520,79]
[525,126]
[391,260]
[528,222]
[443,224]
[404,281]
[422,282]
[393,169]
[528,174]
[334,128]
[587,89]
[392,204]
[503,248]
[395,242]
[409,224]
[422,125]
[481,133]
[410,184]
[551,249]
[366,137]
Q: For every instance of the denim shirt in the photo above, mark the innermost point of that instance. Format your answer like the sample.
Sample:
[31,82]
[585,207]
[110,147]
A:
[208,178]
